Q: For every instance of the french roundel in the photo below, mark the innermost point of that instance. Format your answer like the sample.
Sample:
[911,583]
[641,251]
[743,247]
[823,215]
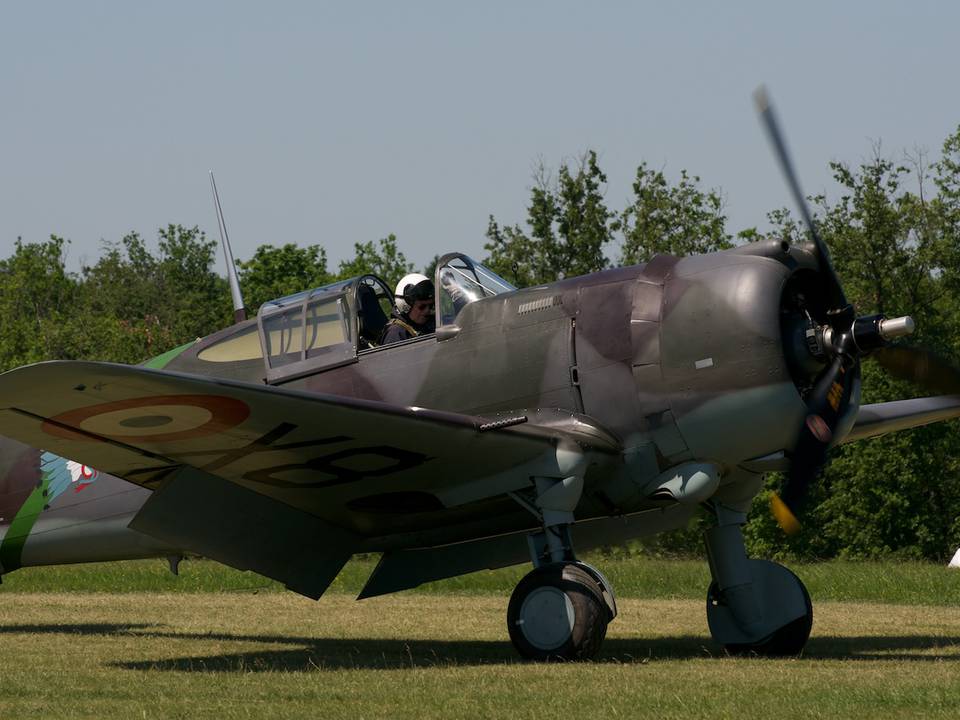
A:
[156,419]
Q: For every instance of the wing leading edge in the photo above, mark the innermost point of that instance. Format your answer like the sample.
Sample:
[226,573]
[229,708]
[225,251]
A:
[883,418]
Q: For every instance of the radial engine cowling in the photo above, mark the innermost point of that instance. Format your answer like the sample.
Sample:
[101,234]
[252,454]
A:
[734,356]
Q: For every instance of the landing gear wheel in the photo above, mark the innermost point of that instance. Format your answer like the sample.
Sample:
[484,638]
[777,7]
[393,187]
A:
[786,641]
[557,612]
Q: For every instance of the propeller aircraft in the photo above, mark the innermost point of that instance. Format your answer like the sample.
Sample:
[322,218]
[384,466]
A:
[532,425]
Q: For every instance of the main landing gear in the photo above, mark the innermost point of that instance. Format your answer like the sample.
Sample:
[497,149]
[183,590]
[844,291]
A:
[561,609]
[558,612]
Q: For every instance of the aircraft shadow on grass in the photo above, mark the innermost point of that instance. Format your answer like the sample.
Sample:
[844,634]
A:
[76,628]
[327,654]
[311,653]
[360,653]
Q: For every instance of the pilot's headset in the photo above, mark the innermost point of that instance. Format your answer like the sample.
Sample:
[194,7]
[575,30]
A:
[401,294]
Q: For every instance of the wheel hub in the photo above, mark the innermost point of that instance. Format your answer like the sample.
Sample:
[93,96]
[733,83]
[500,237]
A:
[547,618]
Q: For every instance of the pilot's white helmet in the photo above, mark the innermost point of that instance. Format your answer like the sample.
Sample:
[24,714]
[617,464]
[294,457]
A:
[411,279]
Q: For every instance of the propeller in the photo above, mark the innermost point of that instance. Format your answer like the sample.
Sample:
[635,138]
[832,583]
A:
[769,119]
[921,367]
[840,340]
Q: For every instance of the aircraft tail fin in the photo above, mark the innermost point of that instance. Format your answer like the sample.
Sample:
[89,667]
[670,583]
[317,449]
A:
[55,511]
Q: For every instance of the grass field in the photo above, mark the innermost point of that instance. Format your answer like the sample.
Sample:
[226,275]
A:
[633,577]
[249,650]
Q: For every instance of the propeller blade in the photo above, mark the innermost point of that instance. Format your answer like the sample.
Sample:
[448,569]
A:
[922,367]
[770,124]
[831,391]
[810,452]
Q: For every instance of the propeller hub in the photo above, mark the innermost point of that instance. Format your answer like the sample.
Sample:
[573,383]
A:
[892,328]
[865,334]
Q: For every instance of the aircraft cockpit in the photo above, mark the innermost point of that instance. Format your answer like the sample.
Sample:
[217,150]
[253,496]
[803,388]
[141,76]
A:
[330,325]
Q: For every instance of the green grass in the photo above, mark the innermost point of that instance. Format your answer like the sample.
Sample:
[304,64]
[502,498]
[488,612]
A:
[131,640]
[230,655]
[636,577]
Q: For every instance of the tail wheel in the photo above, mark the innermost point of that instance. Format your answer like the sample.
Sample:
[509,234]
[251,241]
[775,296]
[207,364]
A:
[557,612]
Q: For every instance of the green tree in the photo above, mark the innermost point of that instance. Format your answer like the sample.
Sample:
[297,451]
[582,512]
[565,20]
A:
[274,272]
[37,296]
[430,269]
[135,304]
[198,295]
[945,208]
[123,281]
[569,222]
[679,219]
[883,240]
[382,258]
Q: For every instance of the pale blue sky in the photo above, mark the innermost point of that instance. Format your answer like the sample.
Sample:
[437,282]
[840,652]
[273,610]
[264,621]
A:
[336,123]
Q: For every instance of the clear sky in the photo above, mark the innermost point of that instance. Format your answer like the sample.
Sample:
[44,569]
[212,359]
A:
[336,123]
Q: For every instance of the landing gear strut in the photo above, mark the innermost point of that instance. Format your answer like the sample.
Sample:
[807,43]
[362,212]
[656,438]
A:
[560,610]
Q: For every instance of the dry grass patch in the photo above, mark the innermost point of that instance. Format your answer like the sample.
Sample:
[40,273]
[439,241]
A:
[279,655]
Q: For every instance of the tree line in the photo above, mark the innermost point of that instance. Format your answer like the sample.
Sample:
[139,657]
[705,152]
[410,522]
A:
[893,228]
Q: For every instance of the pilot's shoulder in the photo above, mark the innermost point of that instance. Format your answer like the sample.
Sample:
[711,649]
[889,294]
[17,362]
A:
[395,331]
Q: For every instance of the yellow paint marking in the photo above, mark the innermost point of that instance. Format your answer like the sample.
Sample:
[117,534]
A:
[833,397]
[784,517]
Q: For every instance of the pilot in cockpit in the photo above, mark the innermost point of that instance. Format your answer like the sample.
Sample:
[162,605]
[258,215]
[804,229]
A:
[414,312]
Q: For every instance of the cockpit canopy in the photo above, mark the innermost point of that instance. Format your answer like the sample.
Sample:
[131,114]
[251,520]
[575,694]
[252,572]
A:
[330,325]
[460,281]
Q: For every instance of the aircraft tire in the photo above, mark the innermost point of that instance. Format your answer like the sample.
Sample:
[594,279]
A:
[786,641]
[557,612]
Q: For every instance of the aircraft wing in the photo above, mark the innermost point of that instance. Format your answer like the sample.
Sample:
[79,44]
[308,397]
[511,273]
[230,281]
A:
[286,483]
[883,418]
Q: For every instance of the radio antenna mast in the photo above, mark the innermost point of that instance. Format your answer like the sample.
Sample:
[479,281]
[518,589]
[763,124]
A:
[239,311]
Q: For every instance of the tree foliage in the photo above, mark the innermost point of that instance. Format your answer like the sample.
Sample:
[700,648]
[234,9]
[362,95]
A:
[569,222]
[571,228]
[177,290]
[274,272]
[677,219]
[383,259]
[129,306]
[36,298]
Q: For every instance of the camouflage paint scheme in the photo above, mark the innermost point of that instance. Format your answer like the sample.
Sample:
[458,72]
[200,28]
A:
[636,371]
